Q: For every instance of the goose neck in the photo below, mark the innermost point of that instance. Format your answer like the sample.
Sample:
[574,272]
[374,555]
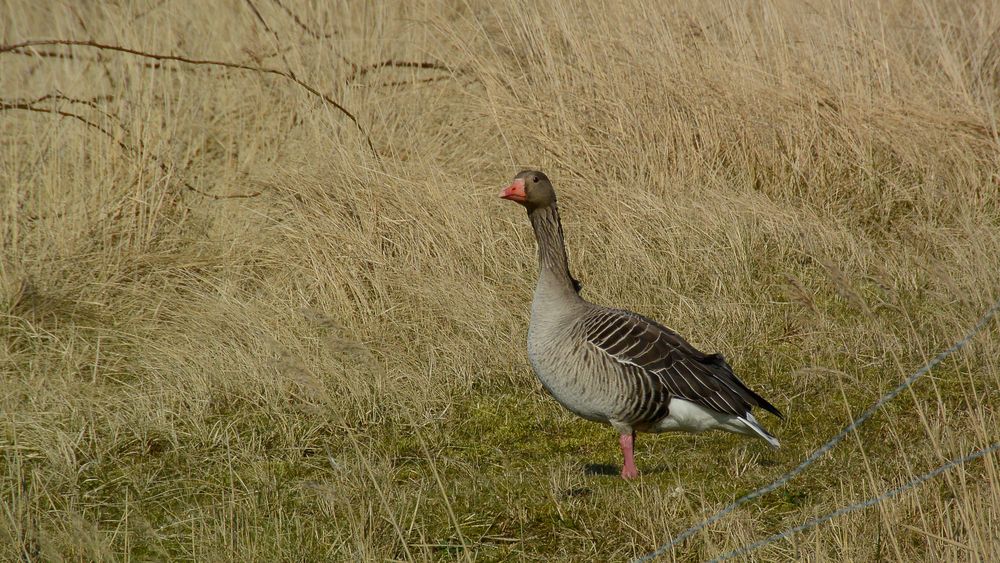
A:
[553,266]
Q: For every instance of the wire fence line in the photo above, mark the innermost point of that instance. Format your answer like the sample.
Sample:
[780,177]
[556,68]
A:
[813,522]
[792,473]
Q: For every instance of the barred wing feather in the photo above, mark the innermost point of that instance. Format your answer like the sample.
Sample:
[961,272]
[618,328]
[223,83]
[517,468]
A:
[660,357]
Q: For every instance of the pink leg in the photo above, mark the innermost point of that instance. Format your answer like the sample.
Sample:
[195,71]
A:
[628,470]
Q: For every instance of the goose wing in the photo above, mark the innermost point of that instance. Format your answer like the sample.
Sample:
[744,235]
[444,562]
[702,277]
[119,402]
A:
[670,363]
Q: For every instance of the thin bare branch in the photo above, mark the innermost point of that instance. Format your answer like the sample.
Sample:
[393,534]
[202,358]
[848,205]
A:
[128,149]
[274,34]
[71,56]
[393,83]
[391,63]
[301,25]
[150,10]
[91,103]
[30,106]
[403,64]
[193,61]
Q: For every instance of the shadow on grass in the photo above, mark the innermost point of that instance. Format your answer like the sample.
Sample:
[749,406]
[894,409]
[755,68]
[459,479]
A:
[601,469]
[609,470]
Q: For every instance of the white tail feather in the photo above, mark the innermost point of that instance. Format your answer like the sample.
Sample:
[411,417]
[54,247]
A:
[752,424]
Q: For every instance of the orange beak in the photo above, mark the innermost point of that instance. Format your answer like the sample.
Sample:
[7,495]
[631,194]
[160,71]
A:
[515,192]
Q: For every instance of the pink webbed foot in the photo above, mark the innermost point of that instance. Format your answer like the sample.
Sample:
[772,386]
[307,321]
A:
[626,441]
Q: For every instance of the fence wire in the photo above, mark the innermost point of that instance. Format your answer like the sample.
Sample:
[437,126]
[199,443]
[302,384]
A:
[792,473]
[812,523]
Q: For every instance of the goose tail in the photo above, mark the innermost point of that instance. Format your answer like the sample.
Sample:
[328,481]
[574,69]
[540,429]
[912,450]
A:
[751,423]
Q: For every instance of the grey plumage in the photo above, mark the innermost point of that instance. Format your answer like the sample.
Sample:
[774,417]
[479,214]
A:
[618,367]
[668,366]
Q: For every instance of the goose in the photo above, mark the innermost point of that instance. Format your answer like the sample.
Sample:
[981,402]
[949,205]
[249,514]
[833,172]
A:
[617,367]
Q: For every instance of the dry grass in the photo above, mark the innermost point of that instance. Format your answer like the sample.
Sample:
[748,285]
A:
[334,368]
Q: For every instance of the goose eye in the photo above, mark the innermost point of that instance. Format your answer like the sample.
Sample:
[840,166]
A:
[534,179]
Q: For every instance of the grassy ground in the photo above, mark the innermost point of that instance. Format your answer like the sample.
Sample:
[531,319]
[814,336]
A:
[333,367]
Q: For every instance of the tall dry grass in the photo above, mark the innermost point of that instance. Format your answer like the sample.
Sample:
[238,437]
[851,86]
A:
[231,332]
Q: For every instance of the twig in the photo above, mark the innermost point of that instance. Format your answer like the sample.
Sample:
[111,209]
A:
[100,56]
[29,106]
[91,103]
[277,41]
[391,63]
[70,56]
[141,15]
[413,82]
[207,62]
[274,34]
[128,149]
[298,22]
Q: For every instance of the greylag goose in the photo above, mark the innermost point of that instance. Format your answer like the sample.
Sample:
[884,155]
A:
[617,367]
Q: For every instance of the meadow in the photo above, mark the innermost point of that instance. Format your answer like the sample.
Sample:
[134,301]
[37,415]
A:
[259,300]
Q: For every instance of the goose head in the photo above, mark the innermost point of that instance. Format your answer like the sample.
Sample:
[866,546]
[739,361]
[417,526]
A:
[531,189]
